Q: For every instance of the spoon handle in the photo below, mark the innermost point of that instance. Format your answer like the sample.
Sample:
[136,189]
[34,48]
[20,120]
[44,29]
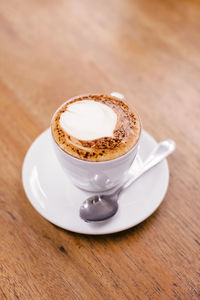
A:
[161,151]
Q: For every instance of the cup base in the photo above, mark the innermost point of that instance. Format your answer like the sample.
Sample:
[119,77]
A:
[94,191]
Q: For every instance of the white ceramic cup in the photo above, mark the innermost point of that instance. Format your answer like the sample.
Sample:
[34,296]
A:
[96,176]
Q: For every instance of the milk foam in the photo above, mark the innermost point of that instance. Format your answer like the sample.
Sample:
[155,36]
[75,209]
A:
[88,120]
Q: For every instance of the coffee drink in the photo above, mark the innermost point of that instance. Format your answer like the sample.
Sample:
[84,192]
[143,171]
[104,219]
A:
[96,127]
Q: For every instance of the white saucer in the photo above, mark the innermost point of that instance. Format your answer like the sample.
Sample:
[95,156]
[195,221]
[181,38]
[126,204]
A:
[53,195]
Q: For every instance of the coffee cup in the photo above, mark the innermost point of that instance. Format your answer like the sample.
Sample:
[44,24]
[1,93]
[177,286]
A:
[86,173]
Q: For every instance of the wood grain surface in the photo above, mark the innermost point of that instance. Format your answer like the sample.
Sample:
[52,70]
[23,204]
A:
[150,52]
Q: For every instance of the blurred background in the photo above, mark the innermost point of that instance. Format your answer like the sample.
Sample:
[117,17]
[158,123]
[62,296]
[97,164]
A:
[148,50]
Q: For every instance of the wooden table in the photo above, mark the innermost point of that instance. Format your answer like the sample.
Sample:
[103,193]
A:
[150,52]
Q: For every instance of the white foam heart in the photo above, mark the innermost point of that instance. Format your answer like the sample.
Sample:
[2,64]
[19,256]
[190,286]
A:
[88,120]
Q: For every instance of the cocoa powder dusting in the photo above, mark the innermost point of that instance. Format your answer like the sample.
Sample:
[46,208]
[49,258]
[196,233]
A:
[125,135]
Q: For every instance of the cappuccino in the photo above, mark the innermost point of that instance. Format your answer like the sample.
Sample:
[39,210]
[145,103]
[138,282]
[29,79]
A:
[96,127]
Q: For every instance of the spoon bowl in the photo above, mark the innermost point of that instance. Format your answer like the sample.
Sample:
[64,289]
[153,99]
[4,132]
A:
[99,207]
